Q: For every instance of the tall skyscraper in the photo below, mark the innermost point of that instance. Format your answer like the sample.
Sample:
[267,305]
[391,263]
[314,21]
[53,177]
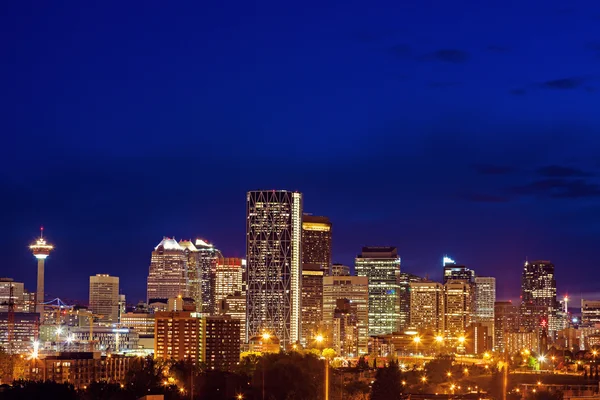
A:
[427,307]
[538,294]
[104,297]
[41,250]
[382,266]
[228,277]
[485,298]
[316,242]
[312,301]
[340,270]
[404,281]
[506,320]
[355,289]
[202,259]
[274,264]
[458,299]
[168,275]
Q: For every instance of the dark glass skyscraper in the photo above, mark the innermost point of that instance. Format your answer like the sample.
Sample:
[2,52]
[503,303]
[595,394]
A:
[404,281]
[538,294]
[274,264]
[316,242]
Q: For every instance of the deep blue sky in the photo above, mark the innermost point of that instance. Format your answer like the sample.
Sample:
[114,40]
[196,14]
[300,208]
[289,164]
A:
[462,127]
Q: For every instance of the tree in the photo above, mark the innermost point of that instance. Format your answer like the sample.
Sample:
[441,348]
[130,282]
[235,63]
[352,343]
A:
[545,395]
[362,364]
[329,353]
[388,383]
[40,390]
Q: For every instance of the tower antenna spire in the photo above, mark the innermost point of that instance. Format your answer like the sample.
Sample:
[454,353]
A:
[42,231]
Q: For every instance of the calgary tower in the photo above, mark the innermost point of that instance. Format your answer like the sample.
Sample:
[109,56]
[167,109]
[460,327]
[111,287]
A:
[41,250]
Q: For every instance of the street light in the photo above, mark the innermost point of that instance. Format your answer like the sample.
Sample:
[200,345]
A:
[541,359]
[416,340]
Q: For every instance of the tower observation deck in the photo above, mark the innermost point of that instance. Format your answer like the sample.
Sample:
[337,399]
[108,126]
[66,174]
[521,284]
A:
[41,250]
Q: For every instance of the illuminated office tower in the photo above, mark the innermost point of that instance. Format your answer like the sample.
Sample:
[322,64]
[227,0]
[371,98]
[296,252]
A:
[104,297]
[202,258]
[41,250]
[355,289]
[404,281]
[228,277]
[538,294]
[340,270]
[382,266]
[485,298]
[506,320]
[312,301]
[458,299]
[274,264]
[427,307]
[168,275]
[316,242]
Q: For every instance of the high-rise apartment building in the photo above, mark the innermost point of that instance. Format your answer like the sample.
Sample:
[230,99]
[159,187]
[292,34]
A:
[404,281]
[355,289]
[179,336]
[458,300]
[506,319]
[221,342]
[235,307]
[485,298]
[381,265]
[316,242]
[274,264]
[340,270]
[168,274]
[228,277]
[104,297]
[312,301]
[202,259]
[427,307]
[538,294]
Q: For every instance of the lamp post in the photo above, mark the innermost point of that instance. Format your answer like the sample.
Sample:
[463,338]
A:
[320,339]
[265,336]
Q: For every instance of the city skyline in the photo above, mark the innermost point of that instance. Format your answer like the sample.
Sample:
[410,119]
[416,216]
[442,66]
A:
[574,296]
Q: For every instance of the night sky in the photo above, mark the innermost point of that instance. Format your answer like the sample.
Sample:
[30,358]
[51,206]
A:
[465,128]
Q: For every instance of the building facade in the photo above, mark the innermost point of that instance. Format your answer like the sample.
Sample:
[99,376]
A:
[274,264]
[506,320]
[590,312]
[202,259]
[312,301]
[17,297]
[142,323]
[404,281]
[25,329]
[235,307]
[427,307]
[345,328]
[458,300]
[104,297]
[221,342]
[355,289]
[316,242]
[381,265]
[485,299]
[168,274]
[229,277]
[538,294]
[340,270]
[179,336]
